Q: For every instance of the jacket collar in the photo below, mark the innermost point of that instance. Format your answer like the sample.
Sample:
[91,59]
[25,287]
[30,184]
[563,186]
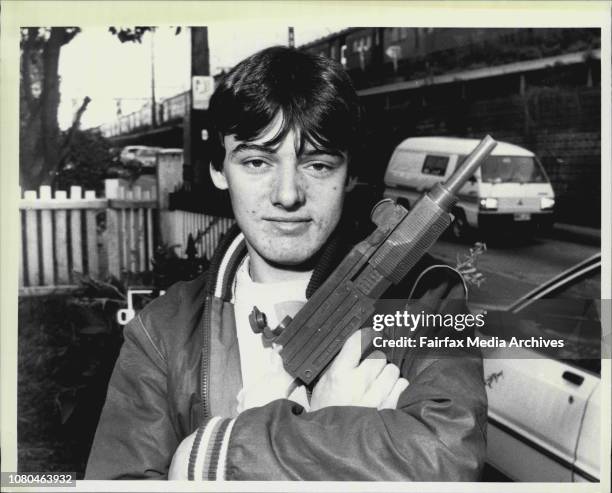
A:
[226,259]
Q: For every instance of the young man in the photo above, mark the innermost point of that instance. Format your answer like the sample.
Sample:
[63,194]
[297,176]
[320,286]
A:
[196,394]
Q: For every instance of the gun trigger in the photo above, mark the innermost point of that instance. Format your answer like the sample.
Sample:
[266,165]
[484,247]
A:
[258,321]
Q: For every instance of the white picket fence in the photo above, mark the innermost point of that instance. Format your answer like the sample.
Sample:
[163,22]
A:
[63,234]
[129,228]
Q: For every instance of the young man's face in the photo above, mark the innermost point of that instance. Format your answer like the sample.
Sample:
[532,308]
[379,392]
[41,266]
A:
[286,204]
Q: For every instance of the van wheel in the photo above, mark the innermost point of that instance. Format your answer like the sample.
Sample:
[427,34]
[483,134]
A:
[459,226]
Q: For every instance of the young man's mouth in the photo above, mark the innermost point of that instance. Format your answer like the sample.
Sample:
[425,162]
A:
[291,226]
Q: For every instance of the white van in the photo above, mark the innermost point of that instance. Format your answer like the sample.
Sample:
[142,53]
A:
[509,189]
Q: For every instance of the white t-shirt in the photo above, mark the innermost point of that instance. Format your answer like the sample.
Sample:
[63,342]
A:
[276,300]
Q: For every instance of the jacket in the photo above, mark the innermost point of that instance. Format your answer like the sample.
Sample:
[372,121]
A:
[179,371]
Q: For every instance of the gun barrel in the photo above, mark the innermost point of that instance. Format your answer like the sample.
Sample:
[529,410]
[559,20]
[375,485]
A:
[469,166]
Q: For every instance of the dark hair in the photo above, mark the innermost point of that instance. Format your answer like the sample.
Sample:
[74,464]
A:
[313,94]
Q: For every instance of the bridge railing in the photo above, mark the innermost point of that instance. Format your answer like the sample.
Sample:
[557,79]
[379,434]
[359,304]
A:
[169,110]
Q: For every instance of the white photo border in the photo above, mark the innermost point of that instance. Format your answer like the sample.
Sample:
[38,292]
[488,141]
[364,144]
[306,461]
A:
[16,13]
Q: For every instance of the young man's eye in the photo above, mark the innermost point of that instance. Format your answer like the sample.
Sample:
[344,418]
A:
[320,167]
[255,163]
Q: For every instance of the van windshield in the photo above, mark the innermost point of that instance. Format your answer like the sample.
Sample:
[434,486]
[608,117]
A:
[512,169]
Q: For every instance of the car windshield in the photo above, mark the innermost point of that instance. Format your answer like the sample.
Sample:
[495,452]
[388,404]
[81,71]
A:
[512,169]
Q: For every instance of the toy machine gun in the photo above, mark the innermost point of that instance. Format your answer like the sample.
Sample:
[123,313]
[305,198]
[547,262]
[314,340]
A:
[346,300]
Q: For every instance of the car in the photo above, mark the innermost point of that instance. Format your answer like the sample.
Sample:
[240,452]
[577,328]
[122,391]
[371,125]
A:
[145,155]
[545,404]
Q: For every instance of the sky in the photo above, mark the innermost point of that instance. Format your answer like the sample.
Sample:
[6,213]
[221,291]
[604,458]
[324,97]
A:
[96,64]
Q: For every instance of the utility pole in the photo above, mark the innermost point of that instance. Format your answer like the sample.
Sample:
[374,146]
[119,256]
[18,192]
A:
[153,112]
[195,125]
[201,194]
[291,38]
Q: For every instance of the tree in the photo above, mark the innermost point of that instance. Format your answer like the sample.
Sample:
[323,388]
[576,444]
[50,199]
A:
[39,135]
[87,161]
[42,150]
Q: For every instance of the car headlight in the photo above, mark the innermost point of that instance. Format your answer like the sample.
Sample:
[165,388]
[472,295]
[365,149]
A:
[547,203]
[488,203]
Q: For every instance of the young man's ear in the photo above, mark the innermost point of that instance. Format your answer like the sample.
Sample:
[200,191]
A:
[218,178]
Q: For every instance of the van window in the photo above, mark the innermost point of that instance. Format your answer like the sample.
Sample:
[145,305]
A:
[511,169]
[435,165]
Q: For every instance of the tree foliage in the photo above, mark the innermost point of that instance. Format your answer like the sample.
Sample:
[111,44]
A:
[133,34]
[130,34]
[87,162]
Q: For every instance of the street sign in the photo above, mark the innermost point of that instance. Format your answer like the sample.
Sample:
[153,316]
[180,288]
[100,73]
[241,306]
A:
[394,52]
[202,87]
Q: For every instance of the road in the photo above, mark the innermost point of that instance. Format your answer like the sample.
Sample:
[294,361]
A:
[513,270]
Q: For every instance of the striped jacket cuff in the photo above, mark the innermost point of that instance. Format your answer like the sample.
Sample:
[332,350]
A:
[209,452]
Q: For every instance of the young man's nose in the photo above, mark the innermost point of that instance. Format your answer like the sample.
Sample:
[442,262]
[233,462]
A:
[288,191]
